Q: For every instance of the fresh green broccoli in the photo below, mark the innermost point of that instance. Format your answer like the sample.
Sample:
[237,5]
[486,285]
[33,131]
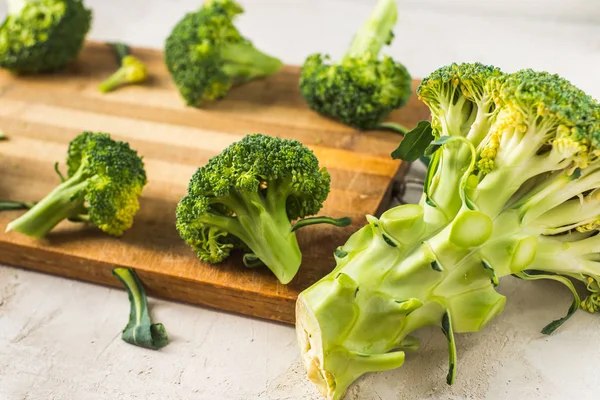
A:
[512,188]
[246,197]
[362,89]
[42,35]
[131,69]
[105,179]
[206,55]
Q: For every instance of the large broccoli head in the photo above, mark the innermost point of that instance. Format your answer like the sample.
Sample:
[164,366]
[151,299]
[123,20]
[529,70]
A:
[206,55]
[42,35]
[246,197]
[105,180]
[512,189]
[361,90]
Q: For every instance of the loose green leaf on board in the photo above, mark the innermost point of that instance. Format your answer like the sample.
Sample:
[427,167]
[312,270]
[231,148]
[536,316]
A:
[140,331]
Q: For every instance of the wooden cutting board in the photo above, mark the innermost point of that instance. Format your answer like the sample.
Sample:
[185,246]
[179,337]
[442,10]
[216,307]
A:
[41,115]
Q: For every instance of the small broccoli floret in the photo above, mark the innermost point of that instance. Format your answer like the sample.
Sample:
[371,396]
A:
[515,176]
[131,69]
[361,90]
[206,55]
[105,179]
[246,197]
[42,35]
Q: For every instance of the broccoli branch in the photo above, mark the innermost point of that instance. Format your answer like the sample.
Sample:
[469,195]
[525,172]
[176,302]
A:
[243,62]
[131,69]
[376,32]
[64,202]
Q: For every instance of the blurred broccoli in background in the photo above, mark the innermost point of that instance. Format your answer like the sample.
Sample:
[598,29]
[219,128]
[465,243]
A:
[131,69]
[42,35]
[206,55]
[361,90]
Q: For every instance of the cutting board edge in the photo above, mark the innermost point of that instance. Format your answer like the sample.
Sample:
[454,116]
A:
[162,286]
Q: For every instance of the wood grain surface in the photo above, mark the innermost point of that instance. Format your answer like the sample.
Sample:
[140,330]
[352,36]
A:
[41,115]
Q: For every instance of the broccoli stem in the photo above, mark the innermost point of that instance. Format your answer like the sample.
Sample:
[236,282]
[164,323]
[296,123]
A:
[263,225]
[117,79]
[243,62]
[62,203]
[131,69]
[339,222]
[376,32]
[268,233]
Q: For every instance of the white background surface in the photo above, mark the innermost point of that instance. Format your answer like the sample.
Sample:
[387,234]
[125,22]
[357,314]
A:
[59,339]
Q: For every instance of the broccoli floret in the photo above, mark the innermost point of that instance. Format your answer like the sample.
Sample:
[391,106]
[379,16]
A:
[105,179]
[131,69]
[206,55]
[42,35]
[361,90]
[246,197]
[515,181]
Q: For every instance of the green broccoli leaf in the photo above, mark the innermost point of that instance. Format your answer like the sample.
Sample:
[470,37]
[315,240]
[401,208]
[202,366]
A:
[140,331]
[394,127]
[15,205]
[250,260]
[414,143]
[339,222]
[535,275]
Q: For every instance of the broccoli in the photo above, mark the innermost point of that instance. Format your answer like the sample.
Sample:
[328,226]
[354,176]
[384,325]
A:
[131,69]
[245,198]
[206,55]
[105,179]
[42,35]
[512,188]
[362,89]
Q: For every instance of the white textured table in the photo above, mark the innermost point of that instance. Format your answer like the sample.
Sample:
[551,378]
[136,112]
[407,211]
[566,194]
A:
[59,339]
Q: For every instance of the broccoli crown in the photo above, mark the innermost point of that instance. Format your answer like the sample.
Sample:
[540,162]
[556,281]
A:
[251,191]
[43,35]
[358,92]
[549,102]
[259,162]
[115,178]
[452,93]
[206,55]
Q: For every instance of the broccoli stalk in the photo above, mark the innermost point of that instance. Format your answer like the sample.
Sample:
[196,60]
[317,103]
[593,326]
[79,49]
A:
[105,179]
[376,32]
[64,202]
[242,62]
[206,55]
[131,69]
[246,197]
[361,89]
[517,159]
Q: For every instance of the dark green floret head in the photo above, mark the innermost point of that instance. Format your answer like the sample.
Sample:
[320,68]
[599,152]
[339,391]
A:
[116,177]
[104,180]
[358,92]
[246,198]
[455,93]
[362,89]
[206,55]
[42,35]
